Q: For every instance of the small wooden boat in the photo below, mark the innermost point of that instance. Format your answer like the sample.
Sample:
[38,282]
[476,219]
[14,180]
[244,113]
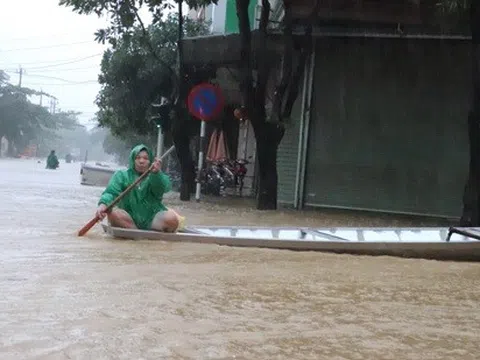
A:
[428,243]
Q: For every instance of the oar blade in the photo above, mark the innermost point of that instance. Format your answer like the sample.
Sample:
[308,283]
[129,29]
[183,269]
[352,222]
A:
[88,226]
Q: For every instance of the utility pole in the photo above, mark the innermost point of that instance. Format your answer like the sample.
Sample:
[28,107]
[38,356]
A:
[52,108]
[20,72]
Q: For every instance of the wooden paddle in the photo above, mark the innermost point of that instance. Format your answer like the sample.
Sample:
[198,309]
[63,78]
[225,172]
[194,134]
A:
[96,219]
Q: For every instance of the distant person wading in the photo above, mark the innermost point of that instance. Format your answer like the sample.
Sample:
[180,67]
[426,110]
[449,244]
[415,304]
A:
[52,161]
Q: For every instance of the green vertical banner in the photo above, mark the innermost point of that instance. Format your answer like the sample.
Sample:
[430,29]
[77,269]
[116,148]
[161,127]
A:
[231,19]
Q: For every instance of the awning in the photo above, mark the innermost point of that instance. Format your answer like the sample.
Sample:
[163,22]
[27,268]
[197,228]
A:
[218,50]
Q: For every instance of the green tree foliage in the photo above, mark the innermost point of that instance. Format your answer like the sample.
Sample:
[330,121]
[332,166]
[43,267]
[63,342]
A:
[125,22]
[65,141]
[120,147]
[22,122]
[132,78]
[123,15]
[77,141]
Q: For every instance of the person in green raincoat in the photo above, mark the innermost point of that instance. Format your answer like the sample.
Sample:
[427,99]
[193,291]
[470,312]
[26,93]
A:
[142,208]
[52,161]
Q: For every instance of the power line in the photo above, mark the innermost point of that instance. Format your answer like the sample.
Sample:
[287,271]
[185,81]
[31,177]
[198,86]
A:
[65,63]
[22,71]
[47,47]
[43,36]
[72,69]
[73,83]
[53,78]
[57,70]
[62,62]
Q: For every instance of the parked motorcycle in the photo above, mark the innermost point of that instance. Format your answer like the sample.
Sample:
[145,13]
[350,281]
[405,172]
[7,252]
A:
[218,176]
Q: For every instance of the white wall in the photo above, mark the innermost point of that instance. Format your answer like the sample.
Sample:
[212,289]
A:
[214,13]
[218,17]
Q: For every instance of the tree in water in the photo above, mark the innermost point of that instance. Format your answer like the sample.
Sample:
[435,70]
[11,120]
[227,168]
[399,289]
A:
[23,123]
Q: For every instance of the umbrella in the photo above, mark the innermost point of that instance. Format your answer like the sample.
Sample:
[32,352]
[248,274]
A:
[217,147]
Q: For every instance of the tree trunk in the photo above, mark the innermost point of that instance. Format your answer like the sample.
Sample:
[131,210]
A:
[268,137]
[181,140]
[187,169]
[470,195]
[10,149]
[471,198]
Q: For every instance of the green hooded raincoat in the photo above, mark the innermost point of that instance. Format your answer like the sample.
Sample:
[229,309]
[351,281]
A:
[144,201]
[52,161]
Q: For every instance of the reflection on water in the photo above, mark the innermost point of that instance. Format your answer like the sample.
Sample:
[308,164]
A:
[63,297]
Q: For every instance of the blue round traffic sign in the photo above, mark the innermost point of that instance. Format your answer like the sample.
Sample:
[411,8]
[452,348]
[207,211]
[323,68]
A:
[205,101]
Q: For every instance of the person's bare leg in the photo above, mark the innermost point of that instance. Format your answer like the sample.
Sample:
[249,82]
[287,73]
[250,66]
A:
[166,221]
[120,218]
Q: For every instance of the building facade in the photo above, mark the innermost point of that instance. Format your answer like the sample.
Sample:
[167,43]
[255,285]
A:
[381,125]
[381,120]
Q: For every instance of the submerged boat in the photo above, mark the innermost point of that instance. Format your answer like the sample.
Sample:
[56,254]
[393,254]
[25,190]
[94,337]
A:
[428,243]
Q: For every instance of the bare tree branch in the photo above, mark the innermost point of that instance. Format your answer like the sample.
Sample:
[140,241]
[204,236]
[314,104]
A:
[152,49]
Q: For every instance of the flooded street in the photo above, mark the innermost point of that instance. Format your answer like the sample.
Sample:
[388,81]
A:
[65,297]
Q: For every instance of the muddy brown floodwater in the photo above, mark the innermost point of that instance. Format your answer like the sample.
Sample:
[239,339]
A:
[64,297]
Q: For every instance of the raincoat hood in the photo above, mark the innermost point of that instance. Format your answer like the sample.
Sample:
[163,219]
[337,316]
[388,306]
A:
[134,153]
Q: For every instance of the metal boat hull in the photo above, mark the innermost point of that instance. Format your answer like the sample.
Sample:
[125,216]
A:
[94,175]
[427,243]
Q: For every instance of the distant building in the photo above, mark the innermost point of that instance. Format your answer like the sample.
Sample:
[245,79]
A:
[223,16]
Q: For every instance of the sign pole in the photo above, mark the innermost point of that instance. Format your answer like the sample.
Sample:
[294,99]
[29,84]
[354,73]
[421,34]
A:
[205,102]
[245,139]
[159,141]
[200,160]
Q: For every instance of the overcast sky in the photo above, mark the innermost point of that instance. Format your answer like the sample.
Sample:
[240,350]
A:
[57,51]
